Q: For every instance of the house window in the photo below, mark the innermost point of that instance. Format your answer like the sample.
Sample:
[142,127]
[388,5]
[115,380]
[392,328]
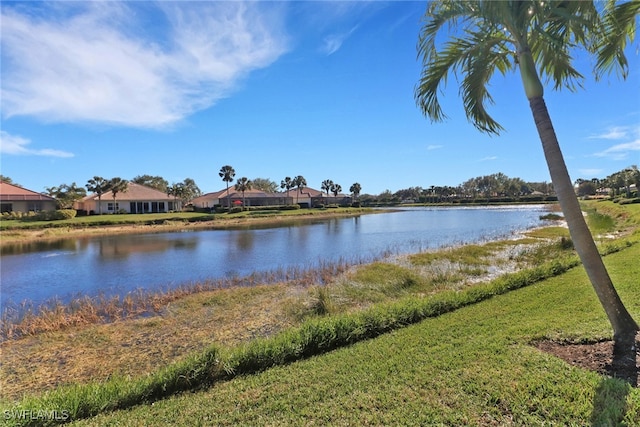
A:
[35,206]
[110,207]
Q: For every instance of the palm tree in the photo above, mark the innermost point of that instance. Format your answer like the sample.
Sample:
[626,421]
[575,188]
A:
[326,186]
[299,182]
[98,185]
[177,190]
[243,184]
[287,183]
[355,190]
[535,37]
[335,189]
[227,173]
[117,185]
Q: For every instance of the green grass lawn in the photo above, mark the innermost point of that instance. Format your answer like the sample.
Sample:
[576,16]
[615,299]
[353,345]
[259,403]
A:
[474,366]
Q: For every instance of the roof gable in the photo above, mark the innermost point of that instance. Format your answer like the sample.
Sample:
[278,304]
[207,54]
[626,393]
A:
[15,192]
[134,192]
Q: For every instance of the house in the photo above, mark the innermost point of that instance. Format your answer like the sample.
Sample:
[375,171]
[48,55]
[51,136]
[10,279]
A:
[14,198]
[136,199]
[251,198]
[306,197]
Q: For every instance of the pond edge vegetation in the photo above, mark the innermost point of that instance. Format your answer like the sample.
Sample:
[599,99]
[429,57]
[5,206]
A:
[314,336]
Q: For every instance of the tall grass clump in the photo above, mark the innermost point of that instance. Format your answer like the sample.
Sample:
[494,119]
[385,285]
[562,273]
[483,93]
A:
[27,318]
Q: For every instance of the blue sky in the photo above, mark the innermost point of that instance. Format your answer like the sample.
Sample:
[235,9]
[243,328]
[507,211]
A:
[274,89]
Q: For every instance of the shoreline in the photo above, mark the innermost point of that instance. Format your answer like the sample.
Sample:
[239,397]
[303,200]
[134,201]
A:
[25,235]
[17,236]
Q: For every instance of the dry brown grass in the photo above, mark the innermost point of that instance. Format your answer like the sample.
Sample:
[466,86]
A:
[137,346]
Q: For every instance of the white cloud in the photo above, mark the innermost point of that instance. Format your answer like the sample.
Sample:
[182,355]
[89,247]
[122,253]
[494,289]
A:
[89,62]
[615,132]
[333,42]
[488,158]
[620,151]
[434,147]
[17,145]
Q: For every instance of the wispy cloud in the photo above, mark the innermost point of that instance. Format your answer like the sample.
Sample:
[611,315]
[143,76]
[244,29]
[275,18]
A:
[488,158]
[620,151]
[434,147]
[628,138]
[89,62]
[333,42]
[615,132]
[17,145]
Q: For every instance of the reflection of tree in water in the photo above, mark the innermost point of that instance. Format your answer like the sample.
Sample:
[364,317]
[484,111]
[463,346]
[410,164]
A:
[333,225]
[43,246]
[245,239]
[123,246]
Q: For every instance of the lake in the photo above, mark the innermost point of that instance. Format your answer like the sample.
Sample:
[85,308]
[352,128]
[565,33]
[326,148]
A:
[115,265]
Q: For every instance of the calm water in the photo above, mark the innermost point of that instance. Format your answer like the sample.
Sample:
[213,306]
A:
[119,264]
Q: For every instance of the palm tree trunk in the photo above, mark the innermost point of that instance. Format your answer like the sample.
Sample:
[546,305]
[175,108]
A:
[624,327]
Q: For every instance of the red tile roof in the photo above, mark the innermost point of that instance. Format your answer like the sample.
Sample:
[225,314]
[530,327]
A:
[134,192]
[17,193]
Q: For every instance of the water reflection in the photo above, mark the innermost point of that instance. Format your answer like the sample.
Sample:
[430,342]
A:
[115,265]
[44,246]
[119,247]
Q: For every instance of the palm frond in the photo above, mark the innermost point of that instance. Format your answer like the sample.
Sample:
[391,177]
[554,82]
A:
[460,55]
[618,28]
[487,56]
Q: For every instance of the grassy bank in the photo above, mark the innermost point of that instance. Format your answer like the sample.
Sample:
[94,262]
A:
[19,231]
[473,366]
[361,303]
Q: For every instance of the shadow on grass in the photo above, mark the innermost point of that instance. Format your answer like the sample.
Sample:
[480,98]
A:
[610,401]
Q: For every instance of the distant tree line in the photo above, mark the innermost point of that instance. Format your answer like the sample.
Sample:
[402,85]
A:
[618,184]
[495,187]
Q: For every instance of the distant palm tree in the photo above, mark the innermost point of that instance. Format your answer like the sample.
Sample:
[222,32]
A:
[326,186]
[117,185]
[355,190]
[177,190]
[227,173]
[335,189]
[299,182]
[288,184]
[98,185]
[536,38]
[243,184]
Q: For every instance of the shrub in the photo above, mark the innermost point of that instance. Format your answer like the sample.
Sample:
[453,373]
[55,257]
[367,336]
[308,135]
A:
[65,214]
[289,207]
[629,201]
[235,209]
